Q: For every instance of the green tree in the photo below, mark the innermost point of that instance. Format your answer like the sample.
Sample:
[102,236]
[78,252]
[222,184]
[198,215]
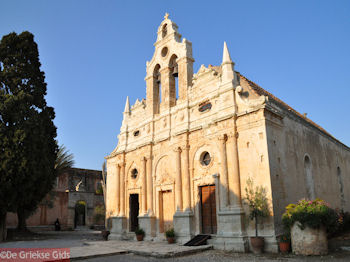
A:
[27,132]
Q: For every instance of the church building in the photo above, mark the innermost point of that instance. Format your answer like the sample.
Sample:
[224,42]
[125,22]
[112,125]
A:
[185,153]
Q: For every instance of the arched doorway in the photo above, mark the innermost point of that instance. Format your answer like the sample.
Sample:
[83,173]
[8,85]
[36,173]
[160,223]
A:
[79,215]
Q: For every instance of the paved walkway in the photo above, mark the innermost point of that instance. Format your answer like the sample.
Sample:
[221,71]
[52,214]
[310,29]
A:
[88,244]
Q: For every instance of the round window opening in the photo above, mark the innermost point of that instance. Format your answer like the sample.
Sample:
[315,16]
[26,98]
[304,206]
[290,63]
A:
[164,51]
[134,173]
[205,159]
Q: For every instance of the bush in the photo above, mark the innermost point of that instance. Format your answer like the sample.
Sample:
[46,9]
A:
[256,199]
[314,214]
[170,233]
[99,214]
[139,231]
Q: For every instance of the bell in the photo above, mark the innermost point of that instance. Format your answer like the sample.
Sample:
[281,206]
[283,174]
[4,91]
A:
[175,71]
[158,78]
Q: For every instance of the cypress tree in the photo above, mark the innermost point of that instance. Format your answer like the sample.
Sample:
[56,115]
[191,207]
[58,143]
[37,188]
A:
[27,133]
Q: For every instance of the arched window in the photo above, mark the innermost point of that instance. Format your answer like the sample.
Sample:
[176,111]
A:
[174,80]
[309,180]
[341,188]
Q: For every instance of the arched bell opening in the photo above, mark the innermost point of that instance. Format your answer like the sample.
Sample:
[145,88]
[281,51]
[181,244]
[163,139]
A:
[174,79]
[157,87]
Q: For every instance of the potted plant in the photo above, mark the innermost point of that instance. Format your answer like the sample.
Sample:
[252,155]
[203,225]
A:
[170,235]
[309,222]
[140,233]
[257,201]
[284,243]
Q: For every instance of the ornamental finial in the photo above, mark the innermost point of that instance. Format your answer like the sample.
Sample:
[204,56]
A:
[166,16]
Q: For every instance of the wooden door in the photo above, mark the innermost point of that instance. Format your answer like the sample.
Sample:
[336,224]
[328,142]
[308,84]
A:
[167,210]
[208,209]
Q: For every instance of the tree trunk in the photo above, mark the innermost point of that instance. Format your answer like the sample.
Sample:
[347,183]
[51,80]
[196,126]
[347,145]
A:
[21,226]
[256,226]
[3,230]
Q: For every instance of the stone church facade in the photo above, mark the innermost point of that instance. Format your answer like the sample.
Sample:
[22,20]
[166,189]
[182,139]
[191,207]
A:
[185,153]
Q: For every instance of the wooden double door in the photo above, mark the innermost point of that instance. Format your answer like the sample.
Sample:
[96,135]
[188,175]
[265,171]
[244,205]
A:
[208,209]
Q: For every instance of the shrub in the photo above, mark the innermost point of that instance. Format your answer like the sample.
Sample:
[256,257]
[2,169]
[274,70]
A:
[99,214]
[139,231]
[314,214]
[257,201]
[170,233]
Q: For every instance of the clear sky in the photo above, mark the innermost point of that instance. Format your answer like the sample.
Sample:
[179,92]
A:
[94,54]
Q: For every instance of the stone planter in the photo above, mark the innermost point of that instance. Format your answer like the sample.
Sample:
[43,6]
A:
[309,241]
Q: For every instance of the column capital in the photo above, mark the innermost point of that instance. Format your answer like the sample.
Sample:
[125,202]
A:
[185,147]
[177,149]
[121,164]
[143,159]
[222,138]
[150,157]
[232,135]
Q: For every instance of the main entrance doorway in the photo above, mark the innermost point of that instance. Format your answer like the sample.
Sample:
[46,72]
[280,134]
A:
[134,211]
[208,209]
[166,210]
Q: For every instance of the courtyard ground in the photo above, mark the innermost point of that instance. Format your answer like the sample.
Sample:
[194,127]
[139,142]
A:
[87,245]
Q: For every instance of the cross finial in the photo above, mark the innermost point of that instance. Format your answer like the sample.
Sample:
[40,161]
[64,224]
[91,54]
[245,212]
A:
[166,16]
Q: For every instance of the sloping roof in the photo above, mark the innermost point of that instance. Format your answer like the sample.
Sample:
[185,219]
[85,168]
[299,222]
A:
[261,91]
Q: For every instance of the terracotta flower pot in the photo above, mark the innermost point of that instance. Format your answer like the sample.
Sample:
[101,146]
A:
[139,237]
[284,247]
[171,240]
[257,244]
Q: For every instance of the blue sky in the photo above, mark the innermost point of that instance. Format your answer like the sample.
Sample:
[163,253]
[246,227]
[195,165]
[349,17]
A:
[94,54]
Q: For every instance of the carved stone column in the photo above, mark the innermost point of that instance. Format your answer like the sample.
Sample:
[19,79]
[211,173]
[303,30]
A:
[149,186]
[144,185]
[234,174]
[223,173]
[147,219]
[183,218]
[117,189]
[186,184]
[118,229]
[122,191]
[178,182]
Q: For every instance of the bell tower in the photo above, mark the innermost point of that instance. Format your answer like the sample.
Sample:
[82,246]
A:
[170,71]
